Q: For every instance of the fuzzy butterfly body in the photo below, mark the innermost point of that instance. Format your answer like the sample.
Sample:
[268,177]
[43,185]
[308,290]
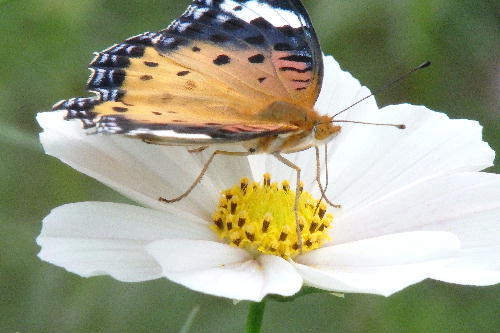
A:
[225,71]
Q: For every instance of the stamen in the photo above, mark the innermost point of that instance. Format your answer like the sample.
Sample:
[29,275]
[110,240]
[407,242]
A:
[260,217]
[219,224]
[233,207]
[244,185]
[266,223]
[267,179]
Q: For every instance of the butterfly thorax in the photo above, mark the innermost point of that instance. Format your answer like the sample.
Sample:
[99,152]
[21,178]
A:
[312,129]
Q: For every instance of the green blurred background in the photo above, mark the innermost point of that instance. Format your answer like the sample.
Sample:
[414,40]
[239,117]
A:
[45,46]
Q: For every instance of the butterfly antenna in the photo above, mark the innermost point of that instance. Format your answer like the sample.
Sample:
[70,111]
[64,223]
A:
[400,126]
[382,89]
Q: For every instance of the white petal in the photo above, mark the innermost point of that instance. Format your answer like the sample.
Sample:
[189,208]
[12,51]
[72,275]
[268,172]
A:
[383,281]
[340,90]
[478,267]
[226,271]
[95,238]
[467,204]
[381,265]
[142,172]
[394,249]
[375,160]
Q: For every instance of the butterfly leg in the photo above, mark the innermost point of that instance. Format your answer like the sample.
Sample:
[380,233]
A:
[202,173]
[297,195]
[197,150]
[318,179]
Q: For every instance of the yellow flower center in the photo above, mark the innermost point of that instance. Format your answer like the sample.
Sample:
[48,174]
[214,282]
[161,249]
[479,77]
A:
[261,218]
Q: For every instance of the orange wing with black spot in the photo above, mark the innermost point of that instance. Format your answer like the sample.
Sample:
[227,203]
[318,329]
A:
[207,76]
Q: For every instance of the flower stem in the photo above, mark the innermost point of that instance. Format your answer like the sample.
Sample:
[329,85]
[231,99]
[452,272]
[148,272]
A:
[255,316]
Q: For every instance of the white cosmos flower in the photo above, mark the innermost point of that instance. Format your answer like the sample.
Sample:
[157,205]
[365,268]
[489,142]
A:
[414,206]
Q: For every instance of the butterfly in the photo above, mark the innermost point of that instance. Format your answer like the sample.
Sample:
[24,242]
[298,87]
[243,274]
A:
[225,71]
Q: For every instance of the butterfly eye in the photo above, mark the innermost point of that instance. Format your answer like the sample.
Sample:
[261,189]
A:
[315,129]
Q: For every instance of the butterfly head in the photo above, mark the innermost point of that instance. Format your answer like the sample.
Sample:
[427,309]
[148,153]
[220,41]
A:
[324,130]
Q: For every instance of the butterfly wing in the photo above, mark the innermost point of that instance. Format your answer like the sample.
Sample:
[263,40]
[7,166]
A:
[208,75]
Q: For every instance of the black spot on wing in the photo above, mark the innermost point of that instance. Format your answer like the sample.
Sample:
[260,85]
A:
[120,109]
[293,69]
[255,40]
[222,60]
[183,73]
[219,38]
[151,64]
[257,58]
[262,24]
[233,24]
[297,58]
[288,31]
[193,29]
